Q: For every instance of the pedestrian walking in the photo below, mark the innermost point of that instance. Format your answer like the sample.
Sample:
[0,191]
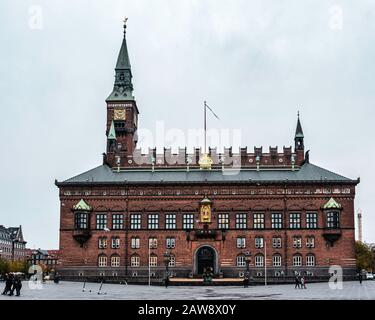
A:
[246,281]
[18,286]
[303,283]
[298,283]
[360,278]
[8,284]
[166,281]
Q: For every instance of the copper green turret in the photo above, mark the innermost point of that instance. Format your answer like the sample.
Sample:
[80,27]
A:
[123,86]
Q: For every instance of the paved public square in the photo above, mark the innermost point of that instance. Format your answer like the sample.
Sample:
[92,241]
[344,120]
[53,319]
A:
[73,290]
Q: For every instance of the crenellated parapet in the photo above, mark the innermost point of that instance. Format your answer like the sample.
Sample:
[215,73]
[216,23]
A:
[229,158]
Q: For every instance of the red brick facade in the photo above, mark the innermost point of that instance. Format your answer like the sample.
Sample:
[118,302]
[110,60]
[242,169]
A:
[280,185]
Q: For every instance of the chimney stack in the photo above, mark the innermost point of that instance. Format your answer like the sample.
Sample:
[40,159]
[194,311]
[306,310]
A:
[359,217]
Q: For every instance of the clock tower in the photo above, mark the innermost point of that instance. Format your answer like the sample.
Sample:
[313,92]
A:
[122,113]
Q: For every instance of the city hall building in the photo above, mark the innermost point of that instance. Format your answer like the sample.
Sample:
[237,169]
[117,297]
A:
[239,211]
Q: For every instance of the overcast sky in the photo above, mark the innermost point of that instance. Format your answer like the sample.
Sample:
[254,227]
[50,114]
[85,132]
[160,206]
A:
[256,63]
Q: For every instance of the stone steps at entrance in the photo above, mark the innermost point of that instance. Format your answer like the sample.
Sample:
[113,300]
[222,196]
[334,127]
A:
[199,282]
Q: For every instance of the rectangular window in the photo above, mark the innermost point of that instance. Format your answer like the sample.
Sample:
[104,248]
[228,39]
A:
[223,221]
[135,221]
[259,261]
[101,221]
[102,243]
[115,243]
[153,221]
[276,242]
[241,221]
[170,243]
[81,220]
[310,242]
[277,220]
[135,243]
[258,220]
[153,243]
[333,219]
[294,220]
[276,260]
[117,221]
[297,260]
[135,261]
[311,220]
[115,261]
[153,261]
[310,260]
[170,221]
[259,242]
[188,221]
[241,261]
[241,242]
[297,242]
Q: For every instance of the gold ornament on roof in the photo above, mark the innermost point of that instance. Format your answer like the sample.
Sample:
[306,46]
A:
[205,162]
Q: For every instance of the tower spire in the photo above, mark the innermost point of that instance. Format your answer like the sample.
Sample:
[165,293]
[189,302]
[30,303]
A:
[299,146]
[299,131]
[123,86]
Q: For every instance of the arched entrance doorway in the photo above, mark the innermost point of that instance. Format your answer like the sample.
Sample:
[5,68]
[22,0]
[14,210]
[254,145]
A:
[205,258]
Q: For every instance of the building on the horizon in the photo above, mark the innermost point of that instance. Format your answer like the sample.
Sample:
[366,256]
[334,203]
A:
[48,259]
[12,243]
[233,212]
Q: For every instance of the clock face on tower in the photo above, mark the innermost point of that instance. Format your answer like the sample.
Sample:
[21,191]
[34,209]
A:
[119,114]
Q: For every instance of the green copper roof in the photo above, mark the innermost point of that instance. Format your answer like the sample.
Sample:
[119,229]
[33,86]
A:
[123,86]
[332,204]
[82,205]
[112,132]
[123,61]
[299,131]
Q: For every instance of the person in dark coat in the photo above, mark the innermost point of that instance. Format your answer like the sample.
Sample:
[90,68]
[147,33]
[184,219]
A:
[8,284]
[360,278]
[298,283]
[166,281]
[246,281]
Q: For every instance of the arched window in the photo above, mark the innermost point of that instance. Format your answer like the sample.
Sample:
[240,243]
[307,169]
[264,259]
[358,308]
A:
[115,261]
[259,260]
[135,243]
[310,260]
[135,260]
[102,260]
[297,260]
[276,259]
[153,260]
[102,242]
[241,260]
[172,260]
[115,243]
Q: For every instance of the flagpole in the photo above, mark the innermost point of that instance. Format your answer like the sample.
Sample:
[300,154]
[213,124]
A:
[205,126]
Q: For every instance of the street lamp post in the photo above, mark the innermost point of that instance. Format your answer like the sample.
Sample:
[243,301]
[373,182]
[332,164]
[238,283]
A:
[167,259]
[248,260]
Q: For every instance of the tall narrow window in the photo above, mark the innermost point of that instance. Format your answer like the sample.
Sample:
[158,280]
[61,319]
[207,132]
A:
[294,220]
[223,221]
[102,261]
[310,242]
[258,220]
[241,242]
[310,260]
[135,221]
[135,242]
[259,260]
[297,260]
[259,242]
[153,243]
[115,261]
[101,221]
[135,260]
[170,243]
[241,221]
[297,242]
[81,220]
[276,242]
[170,221]
[241,260]
[188,221]
[102,242]
[276,259]
[115,243]
[153,260]
[311,220]
[153,221]
[117,221]
[333,219]
[277,220]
